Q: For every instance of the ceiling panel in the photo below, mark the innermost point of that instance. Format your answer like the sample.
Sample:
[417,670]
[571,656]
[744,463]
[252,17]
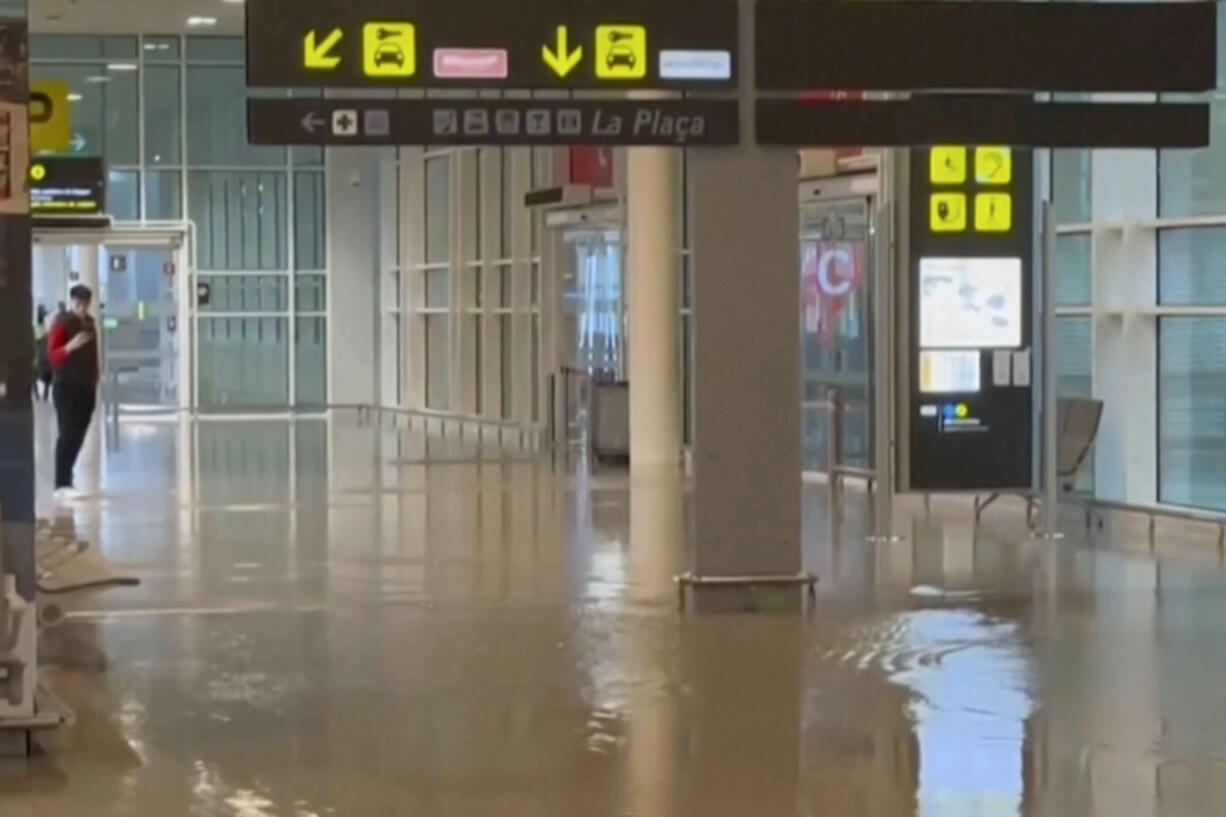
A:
[132,16]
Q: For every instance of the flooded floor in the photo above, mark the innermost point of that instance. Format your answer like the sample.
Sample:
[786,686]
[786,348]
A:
[340,621]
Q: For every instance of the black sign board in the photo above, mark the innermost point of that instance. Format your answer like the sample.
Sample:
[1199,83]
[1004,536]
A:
[1002,119]
[970,281]
[672,122]
[1056,46]
[464,43]
[62,186]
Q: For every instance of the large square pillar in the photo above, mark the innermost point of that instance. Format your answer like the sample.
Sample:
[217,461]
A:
[744,218]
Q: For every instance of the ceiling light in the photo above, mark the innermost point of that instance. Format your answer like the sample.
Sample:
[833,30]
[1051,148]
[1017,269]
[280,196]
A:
[75,97]
[157,46]
[121,66]
[98,78]
[198,21]
[233,2]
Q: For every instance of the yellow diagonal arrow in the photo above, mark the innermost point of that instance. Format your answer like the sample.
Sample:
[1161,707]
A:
[561,60]
[318,55]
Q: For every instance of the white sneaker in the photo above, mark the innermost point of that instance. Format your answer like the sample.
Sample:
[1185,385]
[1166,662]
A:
[65,496]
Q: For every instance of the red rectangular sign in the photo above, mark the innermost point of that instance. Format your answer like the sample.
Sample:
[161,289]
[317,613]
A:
[470,63]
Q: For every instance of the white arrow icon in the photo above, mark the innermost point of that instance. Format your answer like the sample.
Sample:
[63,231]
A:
[312,121]
[77,143]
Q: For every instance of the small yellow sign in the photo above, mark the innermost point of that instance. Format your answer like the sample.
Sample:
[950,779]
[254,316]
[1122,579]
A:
[621,51]
[389,49]
[947,165]
[38,171]
[50,117]
[993,165]
[947,212]
[993,212]
[319,54]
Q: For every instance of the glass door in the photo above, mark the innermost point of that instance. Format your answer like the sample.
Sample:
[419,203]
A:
[140,327]
[836,285]
[592,302]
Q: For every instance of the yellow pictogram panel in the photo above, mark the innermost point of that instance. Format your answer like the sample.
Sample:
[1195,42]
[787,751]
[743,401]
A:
[50,117]
[947,212]
[389,49]
[947,165]
[993,212]
[993,165]
[621,51]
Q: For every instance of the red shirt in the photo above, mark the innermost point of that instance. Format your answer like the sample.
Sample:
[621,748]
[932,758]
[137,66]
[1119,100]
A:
[79,367]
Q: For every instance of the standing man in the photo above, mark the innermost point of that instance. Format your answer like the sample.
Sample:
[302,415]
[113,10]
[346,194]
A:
[73,349]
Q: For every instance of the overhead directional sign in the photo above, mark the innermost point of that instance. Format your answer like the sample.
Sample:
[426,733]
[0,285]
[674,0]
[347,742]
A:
[1051,46]
[683,44]
[671,122]
[940,119]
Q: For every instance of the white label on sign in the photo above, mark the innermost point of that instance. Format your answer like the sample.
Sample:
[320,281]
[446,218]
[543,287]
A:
[695,64]
[1002,367]
[1021,368]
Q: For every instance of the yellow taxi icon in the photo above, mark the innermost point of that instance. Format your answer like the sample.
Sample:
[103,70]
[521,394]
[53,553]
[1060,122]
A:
[621,51]
[389,49]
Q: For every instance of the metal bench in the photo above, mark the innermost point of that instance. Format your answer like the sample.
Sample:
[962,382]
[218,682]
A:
[1077,422]
[68,569]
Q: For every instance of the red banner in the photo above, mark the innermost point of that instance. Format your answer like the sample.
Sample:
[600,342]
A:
[591,165]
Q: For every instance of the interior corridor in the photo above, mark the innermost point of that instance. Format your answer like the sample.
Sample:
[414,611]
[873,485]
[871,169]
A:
[339,620]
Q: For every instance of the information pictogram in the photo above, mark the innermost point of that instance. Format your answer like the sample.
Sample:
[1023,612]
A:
[621,51]
[389,49]
[947,165]
[993,213]
[993,165]
[947,212]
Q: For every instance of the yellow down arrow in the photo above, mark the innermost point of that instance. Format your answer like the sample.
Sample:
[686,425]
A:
[318,55]
[561,60]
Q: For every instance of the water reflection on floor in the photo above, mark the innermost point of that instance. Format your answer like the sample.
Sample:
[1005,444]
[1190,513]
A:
[341,621]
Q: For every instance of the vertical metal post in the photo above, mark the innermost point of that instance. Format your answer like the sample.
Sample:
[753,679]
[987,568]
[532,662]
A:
[834,446]
[1047,323]
[883,270]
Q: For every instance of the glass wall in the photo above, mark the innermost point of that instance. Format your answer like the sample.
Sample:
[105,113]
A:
[1142,307]
[259,212]
[462,295]
[1191,283]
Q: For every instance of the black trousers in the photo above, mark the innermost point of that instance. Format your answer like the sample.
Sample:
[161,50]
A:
[74,410]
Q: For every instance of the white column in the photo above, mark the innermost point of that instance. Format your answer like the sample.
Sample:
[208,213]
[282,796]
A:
[1124,268]
[355,221]
[89,463]
[653,297]
[85,264]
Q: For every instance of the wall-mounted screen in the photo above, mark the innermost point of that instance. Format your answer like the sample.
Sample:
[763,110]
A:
[970,303]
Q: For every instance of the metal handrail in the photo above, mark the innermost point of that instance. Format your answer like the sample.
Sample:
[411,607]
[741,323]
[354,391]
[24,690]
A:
[1154,512]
